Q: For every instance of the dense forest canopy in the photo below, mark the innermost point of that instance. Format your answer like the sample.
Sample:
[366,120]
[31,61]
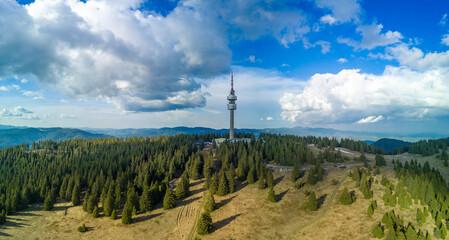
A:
[123,174]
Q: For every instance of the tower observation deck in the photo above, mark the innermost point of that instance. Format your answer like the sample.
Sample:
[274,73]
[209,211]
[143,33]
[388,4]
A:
[231,107]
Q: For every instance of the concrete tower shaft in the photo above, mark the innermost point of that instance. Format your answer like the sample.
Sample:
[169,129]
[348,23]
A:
[231,107]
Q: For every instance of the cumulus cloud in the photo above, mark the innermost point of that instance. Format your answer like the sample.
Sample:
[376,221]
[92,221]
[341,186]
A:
[22,110]
[370,119]
[350,95]
[269,118]
[88,49]
[342,60]
[33,94]
[372,37]
[342,11]
[19,112]
[445,39]
[325,46]
[8,88]
[415,58]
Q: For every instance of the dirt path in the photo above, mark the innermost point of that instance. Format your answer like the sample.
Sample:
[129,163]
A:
[323,212]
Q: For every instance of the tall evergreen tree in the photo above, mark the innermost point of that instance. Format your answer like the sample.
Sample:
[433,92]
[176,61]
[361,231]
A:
[204,225]
[295,173]
[223,185]
[76,195]
[209,204]
[145,201]
[169,199]
[312,203]
[127,213]
[108,206]
[48,202]
[271,195]
[270,179]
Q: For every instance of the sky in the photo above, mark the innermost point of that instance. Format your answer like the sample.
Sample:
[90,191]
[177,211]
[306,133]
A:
[380,66]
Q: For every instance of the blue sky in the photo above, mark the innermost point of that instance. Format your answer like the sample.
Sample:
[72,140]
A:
[346,64]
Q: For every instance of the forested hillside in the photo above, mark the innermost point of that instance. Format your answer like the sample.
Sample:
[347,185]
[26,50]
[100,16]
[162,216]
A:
[132,175]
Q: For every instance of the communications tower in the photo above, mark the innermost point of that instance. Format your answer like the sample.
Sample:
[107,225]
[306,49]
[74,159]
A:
[231,107]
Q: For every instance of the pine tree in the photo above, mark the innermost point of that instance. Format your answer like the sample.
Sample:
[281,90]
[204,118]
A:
[231,178]
[48,202]
[209,204]
[262,183]
[223,186]
[377,231]
[113,214]
[420,218]
[145,201]
[76,194]
[91,203]
[118,196]
[127,213]
[251,175]
[82,228]
[270,179]
[312,203]
[443,230]
[410,233]
[109,203]
[95,212]
[2,216]
[204,225]
[169,199]
[271,195]
[182,189]
[345,197]
[370,210]
[295,173]
[214,184]
[86,199]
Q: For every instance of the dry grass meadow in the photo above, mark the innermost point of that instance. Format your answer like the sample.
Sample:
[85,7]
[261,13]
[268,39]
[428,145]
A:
[244,214]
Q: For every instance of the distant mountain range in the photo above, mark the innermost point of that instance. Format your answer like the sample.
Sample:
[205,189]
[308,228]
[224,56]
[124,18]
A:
[11,135]
[15,136]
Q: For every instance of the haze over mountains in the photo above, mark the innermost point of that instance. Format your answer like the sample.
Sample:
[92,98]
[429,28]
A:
[13,135]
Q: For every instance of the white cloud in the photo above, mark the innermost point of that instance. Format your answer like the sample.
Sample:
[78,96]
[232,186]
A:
[415,58]
[372,37]
[269,118]
[252,58]
[380,56]
[328,19]
[370,119]
[325,46]
[31,117]
[67,116]
[90,46]
[445,39]
[6,113]
[285,65]
[33,94]
[24,80]
[342,60]
[351,95]
[342,11]
[22,110]
[443,20]
[8,88]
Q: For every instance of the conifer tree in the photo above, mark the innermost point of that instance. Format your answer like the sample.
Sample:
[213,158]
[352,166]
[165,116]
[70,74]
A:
[182,189]
[271,195]
[91,203]
[295,173]
[231,178]
[410,233]
[204,225]
[109,203]
[48,202]
[223,185]
[76,194]
[443,230]
[145,201]
[370,210]
[169,199]
[251,175]
[118,196]
[2,216]
[262,183]
[345,197]
[209,204]
[270,179]
[82,228]
[214,184]
[312,203]
[86,199]
[113,214]
[127,213]
[95,212]
[377,231]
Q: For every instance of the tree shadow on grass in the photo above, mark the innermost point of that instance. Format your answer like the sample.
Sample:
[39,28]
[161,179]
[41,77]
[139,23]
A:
[225,221]
[196,183]
[281,195]
[27,214]
[302,173]
[146,217]
[186,201]
[278,180]
[224,202]
[240,185]
[321,200]
[196,191]
[2,234]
